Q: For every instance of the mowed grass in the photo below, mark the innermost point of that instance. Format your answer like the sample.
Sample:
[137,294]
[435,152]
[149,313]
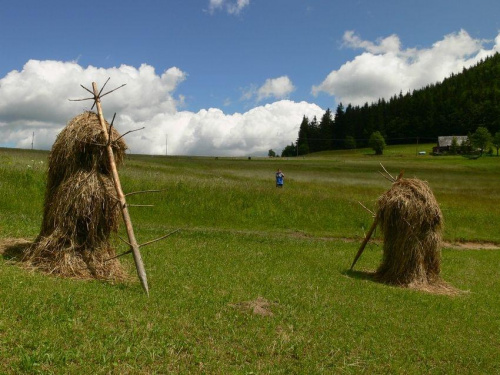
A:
[242,240]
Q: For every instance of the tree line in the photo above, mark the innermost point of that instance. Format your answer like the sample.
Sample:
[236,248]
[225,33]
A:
[459,105]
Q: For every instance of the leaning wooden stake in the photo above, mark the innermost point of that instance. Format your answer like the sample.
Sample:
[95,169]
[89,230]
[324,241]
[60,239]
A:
[134,246]
[375,221]
[367,238]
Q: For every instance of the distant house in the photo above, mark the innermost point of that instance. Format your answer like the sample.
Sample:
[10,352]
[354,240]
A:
[444,143]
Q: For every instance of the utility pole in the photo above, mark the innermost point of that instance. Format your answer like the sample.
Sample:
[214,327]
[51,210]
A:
[166,144]
[32,140]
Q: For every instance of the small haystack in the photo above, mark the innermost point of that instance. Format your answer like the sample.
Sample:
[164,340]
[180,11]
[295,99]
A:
[411,222]
[80,210]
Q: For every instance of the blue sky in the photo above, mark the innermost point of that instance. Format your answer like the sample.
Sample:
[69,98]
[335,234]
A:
[220,76]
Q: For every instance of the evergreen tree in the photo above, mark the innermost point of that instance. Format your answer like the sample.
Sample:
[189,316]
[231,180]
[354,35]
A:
[338,129]
[314,140]
[349,143]
[326,130]
[351,116]
[303,140]
[457,105]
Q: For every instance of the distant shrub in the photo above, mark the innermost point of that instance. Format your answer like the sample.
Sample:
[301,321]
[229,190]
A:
[377,143]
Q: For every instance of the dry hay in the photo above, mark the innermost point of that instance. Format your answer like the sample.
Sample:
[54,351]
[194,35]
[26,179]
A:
[80,209]
[80,146]
[411,222]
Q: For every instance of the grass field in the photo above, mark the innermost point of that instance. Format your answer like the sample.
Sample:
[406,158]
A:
[257,281]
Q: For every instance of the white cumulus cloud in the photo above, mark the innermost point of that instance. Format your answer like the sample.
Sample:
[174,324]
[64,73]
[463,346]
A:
[232,7]
[275,88]
[35,99]
[384,68]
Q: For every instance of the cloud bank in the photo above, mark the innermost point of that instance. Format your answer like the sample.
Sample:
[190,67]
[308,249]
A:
[384,68]
[35,99]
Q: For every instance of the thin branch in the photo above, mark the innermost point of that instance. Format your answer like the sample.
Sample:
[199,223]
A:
[103,86]
[367,209]
[143,191]
[130,131]
[385,170]
[113,120]
[91,143]
[159,239]
[119,202]
[147,243]
[109,130]
[109,92]
[117,256]
[98,95]
[140,205]
[128,243]
[384,176]
[87,89]
[109,135]
[81,100]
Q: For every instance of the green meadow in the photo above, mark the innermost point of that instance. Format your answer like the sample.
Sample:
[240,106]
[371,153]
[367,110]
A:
[257,280]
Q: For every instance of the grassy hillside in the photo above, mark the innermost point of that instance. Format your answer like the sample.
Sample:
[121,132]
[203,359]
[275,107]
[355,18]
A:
[257,279]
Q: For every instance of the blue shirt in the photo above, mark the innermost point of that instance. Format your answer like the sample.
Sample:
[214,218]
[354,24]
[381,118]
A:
[279,178]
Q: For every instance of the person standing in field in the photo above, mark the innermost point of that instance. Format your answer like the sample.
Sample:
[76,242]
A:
[280,177]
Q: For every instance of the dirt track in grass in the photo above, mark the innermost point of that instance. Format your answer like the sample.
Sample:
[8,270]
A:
[13,247]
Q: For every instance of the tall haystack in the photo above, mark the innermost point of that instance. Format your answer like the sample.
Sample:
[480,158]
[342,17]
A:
[411,222]
[80,210]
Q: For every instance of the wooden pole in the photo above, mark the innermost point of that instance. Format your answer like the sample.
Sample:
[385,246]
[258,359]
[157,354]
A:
[365,241]
[134,246]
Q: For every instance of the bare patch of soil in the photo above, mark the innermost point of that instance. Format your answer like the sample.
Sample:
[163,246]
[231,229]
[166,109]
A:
[465,245]
[13,248]
[471,245]
[259,306]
